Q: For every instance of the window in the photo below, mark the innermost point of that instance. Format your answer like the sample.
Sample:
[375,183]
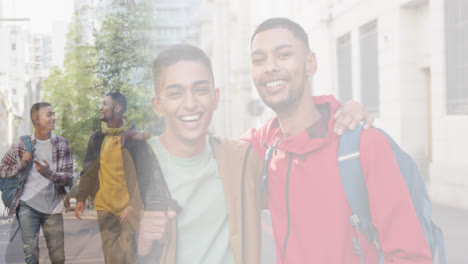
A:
[456,56]
[345,80]
[369,66]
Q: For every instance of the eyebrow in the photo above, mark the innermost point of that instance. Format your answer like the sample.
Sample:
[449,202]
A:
[201,82]
[178,86]
[173,86]
[282,46]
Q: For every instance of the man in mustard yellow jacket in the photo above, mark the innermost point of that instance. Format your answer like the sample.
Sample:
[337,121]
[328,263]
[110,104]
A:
[111,175]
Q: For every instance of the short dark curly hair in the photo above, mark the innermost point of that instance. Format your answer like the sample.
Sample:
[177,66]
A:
[281,22]
[176,53]
[119,99]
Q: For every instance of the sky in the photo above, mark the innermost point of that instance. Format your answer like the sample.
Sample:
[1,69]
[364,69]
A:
[41,12]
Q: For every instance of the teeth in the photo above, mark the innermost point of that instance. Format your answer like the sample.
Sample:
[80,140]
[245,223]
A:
[190,118]
[275,83]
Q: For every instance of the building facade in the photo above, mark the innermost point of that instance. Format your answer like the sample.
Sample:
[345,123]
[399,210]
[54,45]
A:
[404,60]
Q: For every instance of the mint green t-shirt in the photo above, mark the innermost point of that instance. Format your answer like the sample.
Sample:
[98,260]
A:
[203,224]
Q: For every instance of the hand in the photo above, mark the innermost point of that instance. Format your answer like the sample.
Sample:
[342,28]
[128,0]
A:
[134,135]
[153,227]
[66,202]
[27,158]
[41,166]
[127,214]
[79,207]
[350,115]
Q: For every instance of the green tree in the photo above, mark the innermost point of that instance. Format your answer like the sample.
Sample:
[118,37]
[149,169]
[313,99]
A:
[117,58]
[124,56]
[75,91]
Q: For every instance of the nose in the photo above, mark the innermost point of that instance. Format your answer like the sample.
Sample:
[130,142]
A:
[271,64]
[190,101]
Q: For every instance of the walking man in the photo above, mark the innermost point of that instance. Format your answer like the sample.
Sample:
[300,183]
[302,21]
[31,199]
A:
[110,174]
[38,202]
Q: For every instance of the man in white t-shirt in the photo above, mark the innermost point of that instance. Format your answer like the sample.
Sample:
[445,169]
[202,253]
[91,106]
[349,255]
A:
[38,202]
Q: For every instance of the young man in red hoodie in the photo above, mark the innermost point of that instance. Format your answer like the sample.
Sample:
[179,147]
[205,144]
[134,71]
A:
[309,209]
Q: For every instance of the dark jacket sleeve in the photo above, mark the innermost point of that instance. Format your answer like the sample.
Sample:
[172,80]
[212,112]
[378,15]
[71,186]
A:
[143,160]
[89,180]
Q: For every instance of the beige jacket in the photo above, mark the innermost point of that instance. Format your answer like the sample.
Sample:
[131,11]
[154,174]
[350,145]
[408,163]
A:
[240,168]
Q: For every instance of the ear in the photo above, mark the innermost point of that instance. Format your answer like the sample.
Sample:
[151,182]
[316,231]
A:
[311,64]
[157,107]
[217,91]
[117,108]
[35,118]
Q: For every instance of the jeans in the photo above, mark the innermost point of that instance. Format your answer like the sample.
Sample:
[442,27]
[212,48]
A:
[52,227]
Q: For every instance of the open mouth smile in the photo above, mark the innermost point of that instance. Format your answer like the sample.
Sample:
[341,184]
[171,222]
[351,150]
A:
[191,121]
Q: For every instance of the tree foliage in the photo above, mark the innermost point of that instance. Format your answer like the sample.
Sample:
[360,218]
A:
[115,58]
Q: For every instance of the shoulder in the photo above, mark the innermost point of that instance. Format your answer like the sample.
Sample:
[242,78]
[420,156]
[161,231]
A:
[96,133]
[60,140]
[374,146]
[226,142]
[136,145]
[18,141]
[233,146]
[372,139]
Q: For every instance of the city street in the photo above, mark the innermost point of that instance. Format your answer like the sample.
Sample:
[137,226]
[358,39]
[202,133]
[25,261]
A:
[83,243]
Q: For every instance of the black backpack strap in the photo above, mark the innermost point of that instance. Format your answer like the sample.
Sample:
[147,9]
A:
[356,192]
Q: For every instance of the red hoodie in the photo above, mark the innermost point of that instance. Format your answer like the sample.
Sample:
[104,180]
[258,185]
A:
[309,209]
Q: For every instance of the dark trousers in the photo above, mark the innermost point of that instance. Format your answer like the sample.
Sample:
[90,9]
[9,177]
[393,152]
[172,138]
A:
[118,240]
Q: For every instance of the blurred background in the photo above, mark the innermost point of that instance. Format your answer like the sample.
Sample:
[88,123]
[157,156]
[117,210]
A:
[405,60]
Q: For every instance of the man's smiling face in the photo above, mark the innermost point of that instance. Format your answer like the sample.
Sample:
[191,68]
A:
[46,118]
[186,97]
[281,66]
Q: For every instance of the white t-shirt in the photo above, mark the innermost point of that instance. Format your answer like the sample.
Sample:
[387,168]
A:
[203,224]
[40,193]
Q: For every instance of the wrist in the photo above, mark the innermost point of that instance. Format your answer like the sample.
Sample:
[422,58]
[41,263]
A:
[22,165]
[146,134]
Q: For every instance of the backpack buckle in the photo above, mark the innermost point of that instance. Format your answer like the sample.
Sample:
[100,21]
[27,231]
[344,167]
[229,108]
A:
[354,220]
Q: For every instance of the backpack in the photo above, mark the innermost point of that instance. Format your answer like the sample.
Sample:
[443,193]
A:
[356,193]
[10,186]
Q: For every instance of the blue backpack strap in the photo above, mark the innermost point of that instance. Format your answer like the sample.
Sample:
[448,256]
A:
[28,148]
[28,144]
[421,202]
[439,243]
[355,189]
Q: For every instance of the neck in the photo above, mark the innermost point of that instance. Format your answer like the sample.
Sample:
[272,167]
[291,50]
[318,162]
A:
[42,134]
[298,117]
[114,123]
[180,148]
